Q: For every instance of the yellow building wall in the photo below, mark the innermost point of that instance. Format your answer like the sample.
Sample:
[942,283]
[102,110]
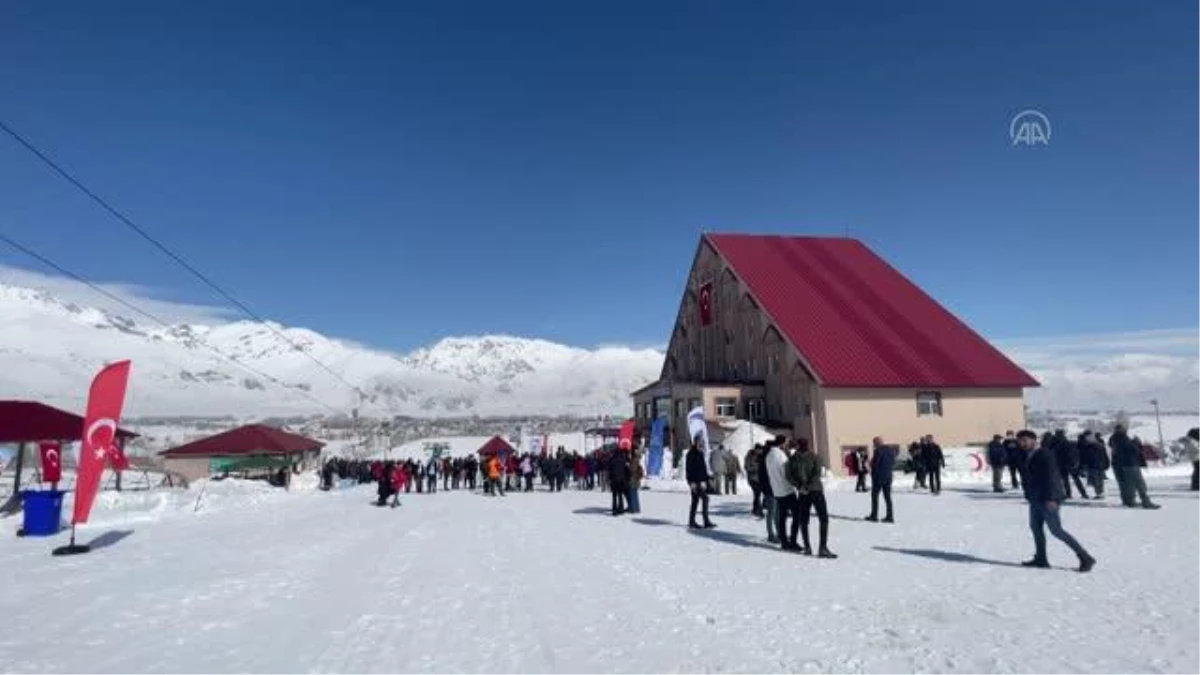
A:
[854,416]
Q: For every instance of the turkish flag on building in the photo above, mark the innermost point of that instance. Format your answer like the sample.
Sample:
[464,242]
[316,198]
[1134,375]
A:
[105,400]
[706,304]
[51,452]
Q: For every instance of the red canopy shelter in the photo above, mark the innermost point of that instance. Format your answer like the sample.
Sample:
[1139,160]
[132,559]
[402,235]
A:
[23,422]
[252,439]
[496,445]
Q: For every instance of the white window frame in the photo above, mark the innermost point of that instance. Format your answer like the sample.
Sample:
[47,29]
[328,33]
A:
[729,403]
[929,404]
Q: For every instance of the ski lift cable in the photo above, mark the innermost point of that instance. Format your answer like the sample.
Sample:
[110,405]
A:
[15,245]
[113,211]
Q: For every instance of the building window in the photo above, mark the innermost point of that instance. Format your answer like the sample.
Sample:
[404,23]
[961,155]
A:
[929,403]
[662,406]
[756,408]
[773,364]
[679,409]
[726,407]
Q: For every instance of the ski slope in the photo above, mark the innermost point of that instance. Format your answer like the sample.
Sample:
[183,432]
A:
[262,580]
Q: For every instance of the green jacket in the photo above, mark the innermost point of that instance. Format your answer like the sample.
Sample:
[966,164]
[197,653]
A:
[804,471]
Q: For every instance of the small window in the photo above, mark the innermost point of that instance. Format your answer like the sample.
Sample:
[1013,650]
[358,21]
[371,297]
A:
[726,407]
[773,364]
[756,408]
[807,410]
[929,403]
[680,411]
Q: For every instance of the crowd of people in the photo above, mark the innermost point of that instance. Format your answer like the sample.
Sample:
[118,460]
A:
[1083,460]
[785,479]
[619,472]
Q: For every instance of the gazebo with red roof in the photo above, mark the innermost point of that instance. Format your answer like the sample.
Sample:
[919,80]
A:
[823,336]
[26,422]
[495,445]
[196,459]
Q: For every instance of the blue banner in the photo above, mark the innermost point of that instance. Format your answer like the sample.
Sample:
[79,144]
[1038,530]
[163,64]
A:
[654,460]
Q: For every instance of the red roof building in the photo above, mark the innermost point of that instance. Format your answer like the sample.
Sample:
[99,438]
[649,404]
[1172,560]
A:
[195,460]
[252,439]
[495,445]
[824,335]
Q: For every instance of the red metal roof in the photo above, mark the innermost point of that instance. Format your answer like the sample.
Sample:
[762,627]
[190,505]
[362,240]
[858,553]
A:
[857,321]
[252,439]
[495,444]
[25,421]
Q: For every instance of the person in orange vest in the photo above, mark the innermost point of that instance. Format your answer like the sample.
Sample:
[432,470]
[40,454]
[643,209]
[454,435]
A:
[493,474]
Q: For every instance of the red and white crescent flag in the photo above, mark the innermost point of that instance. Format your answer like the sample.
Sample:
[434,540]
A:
[51,452]
[706,307]
[105,400]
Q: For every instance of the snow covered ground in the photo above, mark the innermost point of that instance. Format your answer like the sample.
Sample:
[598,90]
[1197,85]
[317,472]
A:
[263,580]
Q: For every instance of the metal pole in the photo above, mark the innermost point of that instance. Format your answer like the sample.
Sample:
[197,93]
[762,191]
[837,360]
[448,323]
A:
[1161,445]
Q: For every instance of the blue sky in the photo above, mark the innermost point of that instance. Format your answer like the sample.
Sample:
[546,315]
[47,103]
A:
[398,172]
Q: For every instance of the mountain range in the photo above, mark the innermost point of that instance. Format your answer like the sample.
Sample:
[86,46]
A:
[50,347]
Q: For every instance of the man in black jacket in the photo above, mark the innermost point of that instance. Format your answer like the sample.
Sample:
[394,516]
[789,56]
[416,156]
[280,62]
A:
[1066,454]
[935,461]
[1044,492]
[618,480]
[1014,458]
[883,462]
[1126,465]
[997,459]
[696,472]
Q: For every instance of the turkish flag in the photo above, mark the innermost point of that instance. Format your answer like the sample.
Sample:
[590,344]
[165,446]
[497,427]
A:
[51,452]
[105,400]
[706,302]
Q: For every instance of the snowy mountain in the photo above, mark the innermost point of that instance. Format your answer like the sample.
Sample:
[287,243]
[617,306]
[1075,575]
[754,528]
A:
[49,348]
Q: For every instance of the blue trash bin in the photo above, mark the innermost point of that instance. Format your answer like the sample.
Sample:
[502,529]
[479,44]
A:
[43,512]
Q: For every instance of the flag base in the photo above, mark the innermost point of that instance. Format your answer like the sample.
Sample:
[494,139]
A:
[71,549]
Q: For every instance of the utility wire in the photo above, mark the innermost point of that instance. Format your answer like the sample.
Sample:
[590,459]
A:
[141,312]
[171,254]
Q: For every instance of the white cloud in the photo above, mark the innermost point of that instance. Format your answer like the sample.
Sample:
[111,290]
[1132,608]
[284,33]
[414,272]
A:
[1113,370]
[69,290]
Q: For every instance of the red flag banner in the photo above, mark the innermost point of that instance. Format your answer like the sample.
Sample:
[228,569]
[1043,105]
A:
[51,452]
[706,304]
[625,440]
[105,400]
[116,457]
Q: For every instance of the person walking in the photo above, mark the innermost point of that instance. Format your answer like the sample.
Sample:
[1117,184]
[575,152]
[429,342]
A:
[754,457]
[636,474]
[618,478]
[492,486]
[883,463]
[1093,458]
[861,469]
[935,461]
[998,460]
[1126,465]
[1191,450]
[1066,454]
[733,469]
[696,472]
[786,501]
[804,472]
[716,465]
[917,462]
[764,481]
[1044,492]
[1015,459]
[399,478]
